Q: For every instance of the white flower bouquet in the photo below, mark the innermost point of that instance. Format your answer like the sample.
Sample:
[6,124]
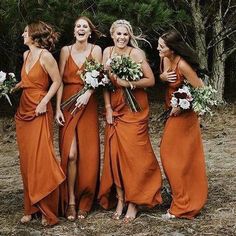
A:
[199,99]
[127,69]
[93,77]
[7,83]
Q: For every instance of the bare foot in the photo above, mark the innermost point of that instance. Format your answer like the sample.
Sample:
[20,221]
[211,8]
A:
[25,219]
[82,214]
[131,213]
[44,221]
[119,209]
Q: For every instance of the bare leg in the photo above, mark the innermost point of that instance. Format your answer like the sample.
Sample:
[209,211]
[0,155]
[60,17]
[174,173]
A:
[71,177]
[25,219]
[120,205]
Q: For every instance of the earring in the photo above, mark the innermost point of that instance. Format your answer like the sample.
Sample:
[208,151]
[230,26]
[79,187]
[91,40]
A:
[90,36]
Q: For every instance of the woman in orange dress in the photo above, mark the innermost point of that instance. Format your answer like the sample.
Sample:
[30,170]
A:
[79,136]
[131,173]
[40,169]
[181,146]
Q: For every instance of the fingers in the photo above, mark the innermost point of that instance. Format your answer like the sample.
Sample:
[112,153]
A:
[171,77]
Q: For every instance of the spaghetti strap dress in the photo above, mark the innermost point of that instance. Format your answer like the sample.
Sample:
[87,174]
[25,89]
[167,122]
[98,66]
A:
[129,160]
[85,125]
[41,171]
[182,158]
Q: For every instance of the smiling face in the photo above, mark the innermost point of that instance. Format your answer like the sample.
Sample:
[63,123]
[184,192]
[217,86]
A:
[121,37]
[26,37]
[164,51]
[82,30]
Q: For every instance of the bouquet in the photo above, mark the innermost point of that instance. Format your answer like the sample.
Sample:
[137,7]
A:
[93,76]
[199,99]
[125,68]
[7,83]
[186,97]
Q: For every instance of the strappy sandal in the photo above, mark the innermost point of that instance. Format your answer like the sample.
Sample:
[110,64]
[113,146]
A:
[116,215]
[82,214]
[26,219]
[71,212]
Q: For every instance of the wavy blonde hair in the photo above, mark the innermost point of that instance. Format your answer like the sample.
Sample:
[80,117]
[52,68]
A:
[133,38]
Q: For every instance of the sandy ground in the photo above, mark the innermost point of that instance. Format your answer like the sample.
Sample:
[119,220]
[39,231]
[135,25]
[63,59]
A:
[217,218]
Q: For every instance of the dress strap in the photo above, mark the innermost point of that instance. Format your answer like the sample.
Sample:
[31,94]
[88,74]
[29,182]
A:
[130,51]
[70,49]
[90,54]
[111,50]
[40,53]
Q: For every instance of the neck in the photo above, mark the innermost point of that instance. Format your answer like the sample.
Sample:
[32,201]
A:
[173,58]
[81,46]
[33,48]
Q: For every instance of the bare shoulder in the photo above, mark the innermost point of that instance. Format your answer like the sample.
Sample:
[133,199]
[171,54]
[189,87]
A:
[138,55]
[47,56]
[65,50]
[107,50]
[184,66]
[97,49]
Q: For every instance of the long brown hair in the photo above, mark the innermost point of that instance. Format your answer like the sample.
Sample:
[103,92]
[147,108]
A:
[43,34]
[176,43]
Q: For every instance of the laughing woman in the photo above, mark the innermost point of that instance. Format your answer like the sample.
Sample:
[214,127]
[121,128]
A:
[131,174]
[40,169]
[181,146]
[79,137]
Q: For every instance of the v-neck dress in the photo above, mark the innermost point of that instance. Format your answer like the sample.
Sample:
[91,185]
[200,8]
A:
[41,171]
[85,125]
[182,158]
[129,160]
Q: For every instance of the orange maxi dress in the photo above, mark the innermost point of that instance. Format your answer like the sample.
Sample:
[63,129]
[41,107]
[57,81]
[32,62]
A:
[41,172]
[183,159]
[129,160]
[85,125]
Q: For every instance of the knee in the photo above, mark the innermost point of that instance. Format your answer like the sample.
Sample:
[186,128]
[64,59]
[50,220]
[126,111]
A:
[73,156]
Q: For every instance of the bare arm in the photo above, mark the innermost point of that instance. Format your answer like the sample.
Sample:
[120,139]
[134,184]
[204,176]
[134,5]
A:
[106,94]
[62,62]
[190,74]
[50,66]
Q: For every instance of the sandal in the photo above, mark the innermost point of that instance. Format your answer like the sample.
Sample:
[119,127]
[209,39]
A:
[82,214]
[26,219]
[168,215]
[71,212]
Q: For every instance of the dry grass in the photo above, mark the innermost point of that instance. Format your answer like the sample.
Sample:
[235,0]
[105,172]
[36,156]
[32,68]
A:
[217,218]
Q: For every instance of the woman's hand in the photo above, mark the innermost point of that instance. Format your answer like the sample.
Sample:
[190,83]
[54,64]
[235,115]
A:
[17,87]
[122,82]
[168,76]
[83,99]
[175,111]
[60,117]
[41,108]
[109,117]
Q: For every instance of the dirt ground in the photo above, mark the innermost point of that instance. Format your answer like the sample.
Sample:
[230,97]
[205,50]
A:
[217,218]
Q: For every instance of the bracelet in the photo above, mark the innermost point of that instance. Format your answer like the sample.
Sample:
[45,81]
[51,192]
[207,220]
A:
[108,106]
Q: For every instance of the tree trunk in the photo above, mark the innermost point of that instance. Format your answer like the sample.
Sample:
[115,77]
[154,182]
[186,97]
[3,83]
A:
[219,57]
[200,35]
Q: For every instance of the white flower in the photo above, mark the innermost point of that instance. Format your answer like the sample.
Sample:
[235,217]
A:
[95,73]
[105,80]
[2,76]
[174,102]
[91,80]
[184,104]
[12,75]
